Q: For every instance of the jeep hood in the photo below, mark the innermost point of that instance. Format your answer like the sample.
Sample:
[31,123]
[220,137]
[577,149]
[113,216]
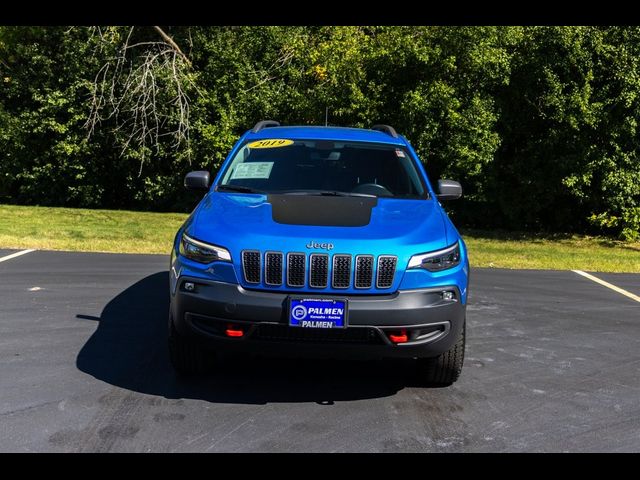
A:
[289,223]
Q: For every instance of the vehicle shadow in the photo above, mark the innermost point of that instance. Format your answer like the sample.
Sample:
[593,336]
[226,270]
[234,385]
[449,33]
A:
[128,350]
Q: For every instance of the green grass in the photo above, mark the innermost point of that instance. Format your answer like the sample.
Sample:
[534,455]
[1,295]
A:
[87,230]
[143,232]
[553,252]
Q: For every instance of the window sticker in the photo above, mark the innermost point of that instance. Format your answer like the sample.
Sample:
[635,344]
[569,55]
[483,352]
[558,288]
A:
[399,153]
[252,170]
[271,143]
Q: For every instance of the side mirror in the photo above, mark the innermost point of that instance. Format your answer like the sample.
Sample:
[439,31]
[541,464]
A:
[198,180]
[449,190]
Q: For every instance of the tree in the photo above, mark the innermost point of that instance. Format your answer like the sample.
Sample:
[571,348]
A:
[538,123]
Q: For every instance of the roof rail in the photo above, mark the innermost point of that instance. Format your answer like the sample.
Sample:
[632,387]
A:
[386,129]
[264,124]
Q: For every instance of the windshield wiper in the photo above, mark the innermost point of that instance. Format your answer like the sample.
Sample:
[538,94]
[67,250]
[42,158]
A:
[322,193]
[325,193]
[237,188]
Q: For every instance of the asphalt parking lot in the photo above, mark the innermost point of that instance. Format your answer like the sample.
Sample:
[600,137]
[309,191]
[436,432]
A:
[552,364]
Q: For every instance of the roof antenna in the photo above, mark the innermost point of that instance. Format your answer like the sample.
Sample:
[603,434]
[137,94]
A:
[326,116]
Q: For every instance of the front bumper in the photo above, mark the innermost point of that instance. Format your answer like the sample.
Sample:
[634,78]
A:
[432,323]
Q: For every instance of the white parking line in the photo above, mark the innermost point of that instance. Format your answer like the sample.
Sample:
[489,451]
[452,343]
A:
[608,285]
[14,255]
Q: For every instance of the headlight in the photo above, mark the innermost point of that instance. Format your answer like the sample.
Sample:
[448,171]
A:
[202,252]
[438,260]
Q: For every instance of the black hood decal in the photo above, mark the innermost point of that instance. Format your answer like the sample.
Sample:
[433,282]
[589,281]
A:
[322,210]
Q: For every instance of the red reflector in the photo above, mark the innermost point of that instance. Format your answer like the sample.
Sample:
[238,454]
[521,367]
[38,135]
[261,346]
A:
[400,337]
[232,332]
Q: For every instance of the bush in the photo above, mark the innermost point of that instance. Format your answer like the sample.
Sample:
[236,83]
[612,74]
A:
[538,123]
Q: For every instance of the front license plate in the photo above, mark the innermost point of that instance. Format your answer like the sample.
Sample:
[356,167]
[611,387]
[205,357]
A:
[318,313]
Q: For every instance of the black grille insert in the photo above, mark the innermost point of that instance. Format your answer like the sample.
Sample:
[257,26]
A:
[386,271]
[318,270]
[296,269]
[364,271]
[341,275]
[273,268]
[251,266]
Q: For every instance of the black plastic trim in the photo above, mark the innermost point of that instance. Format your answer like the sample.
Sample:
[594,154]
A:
[264,124]
[388,129]
[356,269]
[244,271]
[333,270]
[304,274]
[266,267]
[311,270]
[409,309]
[395,267]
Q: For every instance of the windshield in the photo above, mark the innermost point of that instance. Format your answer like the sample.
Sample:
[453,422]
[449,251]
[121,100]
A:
[323,167]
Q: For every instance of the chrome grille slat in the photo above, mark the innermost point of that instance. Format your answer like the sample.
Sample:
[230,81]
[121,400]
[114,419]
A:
[318,270]
[364,271]
[273,268]
[296,269]
[341,271]
[386,270]
[251,266]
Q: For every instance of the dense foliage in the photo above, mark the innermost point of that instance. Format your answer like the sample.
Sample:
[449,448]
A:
[538,123]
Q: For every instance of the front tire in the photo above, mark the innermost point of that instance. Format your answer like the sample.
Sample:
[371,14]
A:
[188,356]
[443,370]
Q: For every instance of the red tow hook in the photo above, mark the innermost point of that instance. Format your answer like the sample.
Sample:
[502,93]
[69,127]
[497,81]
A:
[399,337]
[234,331]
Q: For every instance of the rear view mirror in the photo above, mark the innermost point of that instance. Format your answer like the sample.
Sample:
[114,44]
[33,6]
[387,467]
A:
[449,190]
[198,180]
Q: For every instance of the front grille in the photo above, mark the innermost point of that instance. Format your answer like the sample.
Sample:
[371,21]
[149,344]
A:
[318,270]
[320,267]
[296,265]
[364,271]
[251,266]
[386,271]
[341,277]
[273,268]
[284,333]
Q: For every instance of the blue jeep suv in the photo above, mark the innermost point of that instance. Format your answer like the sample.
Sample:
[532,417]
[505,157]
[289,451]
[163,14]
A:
[320,241]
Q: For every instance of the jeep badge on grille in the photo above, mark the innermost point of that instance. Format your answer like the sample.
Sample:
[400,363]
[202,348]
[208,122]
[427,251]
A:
[323,246]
